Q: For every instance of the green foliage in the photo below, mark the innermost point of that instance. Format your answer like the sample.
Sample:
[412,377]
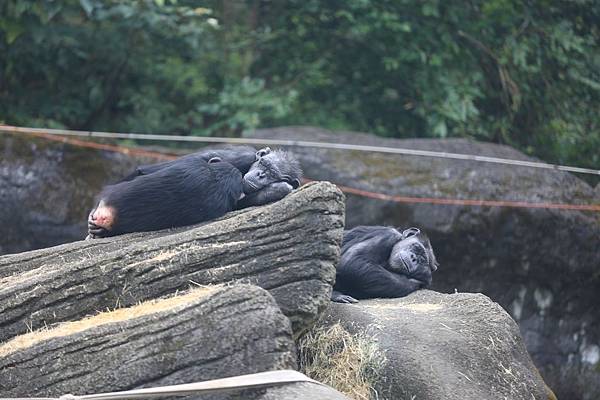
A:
[244,104]
[522,73]
[142,65]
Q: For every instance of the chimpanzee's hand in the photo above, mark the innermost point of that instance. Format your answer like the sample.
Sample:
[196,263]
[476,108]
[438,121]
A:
[422,274]
[339,297]
[421,284]
[270,193]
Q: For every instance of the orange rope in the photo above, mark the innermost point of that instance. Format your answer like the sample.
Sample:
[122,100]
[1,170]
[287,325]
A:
[130,151]
[466,202]
[346,189]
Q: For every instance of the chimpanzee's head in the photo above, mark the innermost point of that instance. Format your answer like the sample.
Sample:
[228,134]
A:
[270,167]
[413,256]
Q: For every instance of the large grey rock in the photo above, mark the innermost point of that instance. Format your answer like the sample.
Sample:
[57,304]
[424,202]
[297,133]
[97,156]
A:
[439,346]
[47,188]
[541,265]
[202,335]
[290,248]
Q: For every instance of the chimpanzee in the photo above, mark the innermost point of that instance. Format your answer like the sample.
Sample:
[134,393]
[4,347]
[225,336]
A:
[242,157]
[379,261]
[192,189]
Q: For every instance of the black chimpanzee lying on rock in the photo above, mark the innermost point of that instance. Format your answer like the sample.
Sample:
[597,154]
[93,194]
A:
[192,189]
[379,261]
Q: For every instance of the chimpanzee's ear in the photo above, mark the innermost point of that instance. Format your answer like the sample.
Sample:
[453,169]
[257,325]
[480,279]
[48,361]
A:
[295,183]
[263,152]
[410,232]
[214,160]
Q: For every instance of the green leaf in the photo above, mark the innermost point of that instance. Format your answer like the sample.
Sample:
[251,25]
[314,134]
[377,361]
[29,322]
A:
[12,30]
[440,129]
[88,6]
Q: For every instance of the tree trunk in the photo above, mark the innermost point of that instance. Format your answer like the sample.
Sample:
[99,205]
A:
[290,248]
[201,335]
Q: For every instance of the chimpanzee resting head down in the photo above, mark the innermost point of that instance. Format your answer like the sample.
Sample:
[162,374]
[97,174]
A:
[380,261]
[192,189]
[271,177]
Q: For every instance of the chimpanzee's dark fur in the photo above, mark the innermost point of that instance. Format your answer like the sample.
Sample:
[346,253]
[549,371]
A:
[183,193]
[264,171]
[379,261]
[192,189]
[241,157]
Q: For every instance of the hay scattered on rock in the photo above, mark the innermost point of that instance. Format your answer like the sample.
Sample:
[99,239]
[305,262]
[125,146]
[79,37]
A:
[348,363]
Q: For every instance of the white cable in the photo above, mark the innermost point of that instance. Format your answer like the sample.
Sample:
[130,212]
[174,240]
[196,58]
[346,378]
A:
[250,381]
[301,143]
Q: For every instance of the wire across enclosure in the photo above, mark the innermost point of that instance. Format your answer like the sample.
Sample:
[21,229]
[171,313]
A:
[300,143]
[67,136]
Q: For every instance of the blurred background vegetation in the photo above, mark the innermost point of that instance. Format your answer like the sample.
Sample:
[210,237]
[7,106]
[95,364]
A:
[523,73]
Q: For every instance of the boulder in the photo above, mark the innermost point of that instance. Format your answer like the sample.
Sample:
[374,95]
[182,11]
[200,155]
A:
[541,265]
[204,334]
[47,188]
[437,346]
[290,248]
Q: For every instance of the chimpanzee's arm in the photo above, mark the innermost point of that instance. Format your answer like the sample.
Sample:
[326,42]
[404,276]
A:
[383,283]
[366,279]
[273,192]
